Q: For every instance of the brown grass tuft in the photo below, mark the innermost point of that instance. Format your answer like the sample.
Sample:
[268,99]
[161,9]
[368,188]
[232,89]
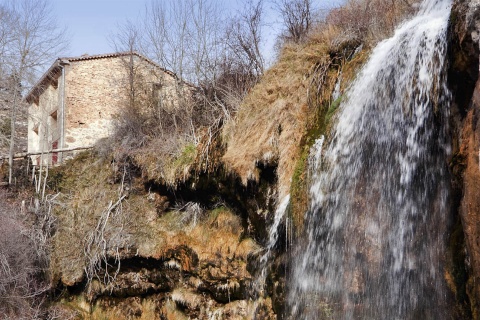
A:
[272,119]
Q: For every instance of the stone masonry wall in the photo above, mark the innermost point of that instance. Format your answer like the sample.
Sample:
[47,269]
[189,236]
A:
[42,123]
[94,93]
[96,89]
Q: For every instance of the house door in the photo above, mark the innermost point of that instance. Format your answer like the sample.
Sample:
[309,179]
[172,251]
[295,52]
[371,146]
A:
[54,154]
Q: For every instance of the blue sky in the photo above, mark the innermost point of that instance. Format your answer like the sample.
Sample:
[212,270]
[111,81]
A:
[90,22]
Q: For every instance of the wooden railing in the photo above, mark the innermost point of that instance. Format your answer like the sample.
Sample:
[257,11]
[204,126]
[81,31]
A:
[22,155]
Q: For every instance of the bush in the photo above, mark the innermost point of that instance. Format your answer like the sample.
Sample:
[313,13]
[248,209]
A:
[21,264]
[369,20]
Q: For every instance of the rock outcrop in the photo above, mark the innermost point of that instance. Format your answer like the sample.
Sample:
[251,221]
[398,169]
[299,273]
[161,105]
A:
[193,252]
[465,86]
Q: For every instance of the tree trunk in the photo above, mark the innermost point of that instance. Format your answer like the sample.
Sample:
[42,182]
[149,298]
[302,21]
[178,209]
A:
[13,121]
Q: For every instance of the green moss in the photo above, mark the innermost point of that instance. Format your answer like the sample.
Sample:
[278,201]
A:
[187,156]
[299,192]
[215,213]
[170,220]
[332,110]
[298,189]
[320,124]
[80,172]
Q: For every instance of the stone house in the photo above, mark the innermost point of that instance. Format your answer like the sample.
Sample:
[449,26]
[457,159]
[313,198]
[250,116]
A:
[75,102]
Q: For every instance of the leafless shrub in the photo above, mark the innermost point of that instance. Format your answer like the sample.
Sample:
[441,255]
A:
[59,313]
[190,213]
[99,244]
[44,227]
[297,18]
[369,19]
[23,258]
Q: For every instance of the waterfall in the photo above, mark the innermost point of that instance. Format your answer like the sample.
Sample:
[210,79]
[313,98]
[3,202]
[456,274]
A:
[273,234]
[375,230]
[265,259]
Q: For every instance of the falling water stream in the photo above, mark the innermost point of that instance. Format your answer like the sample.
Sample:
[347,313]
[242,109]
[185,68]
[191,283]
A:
[273,234]
[375,230]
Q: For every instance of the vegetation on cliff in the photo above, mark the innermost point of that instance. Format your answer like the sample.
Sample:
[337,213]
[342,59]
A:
[168,218]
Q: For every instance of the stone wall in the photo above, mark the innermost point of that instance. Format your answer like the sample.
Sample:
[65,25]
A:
[96,89]
[43,126]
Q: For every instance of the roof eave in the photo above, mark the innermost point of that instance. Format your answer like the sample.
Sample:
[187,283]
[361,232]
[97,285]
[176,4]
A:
[47,77]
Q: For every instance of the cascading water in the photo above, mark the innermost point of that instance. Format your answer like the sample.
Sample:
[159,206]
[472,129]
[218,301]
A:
[265,262]
[375,230]
[273,234]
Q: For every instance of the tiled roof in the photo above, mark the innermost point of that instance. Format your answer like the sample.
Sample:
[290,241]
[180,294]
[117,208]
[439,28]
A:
[114,55]
[53,71]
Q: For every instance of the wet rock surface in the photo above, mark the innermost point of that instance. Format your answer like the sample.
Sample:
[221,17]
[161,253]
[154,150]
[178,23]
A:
[465,167]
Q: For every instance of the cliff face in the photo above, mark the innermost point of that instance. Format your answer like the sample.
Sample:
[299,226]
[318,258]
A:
[470,203]
[465,86]
[126,246]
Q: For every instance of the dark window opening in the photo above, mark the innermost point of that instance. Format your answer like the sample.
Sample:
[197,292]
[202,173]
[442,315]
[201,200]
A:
[54,154]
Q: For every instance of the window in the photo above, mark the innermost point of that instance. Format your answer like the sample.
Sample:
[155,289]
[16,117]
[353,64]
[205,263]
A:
[54,154]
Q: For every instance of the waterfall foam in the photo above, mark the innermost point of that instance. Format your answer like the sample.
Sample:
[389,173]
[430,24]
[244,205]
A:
[265,261]
[377,219]
[272,241]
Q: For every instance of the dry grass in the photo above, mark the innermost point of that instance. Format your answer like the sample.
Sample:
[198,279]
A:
[369,21]
[86,194]
[216,235]
[273,120]
[136,228]
[186,298]
[168,167]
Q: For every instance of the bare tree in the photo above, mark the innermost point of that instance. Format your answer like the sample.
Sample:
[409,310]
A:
[5,92]
[243,63]
[134,122]
[186,38]
[244,37]
[34,39]
[219,55]
[183,36]
[297,18]
[128,39]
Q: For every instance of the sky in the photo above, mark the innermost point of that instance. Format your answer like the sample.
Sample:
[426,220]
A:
[90,23]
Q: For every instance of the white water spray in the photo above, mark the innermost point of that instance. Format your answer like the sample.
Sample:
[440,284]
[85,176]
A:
[377,219]
[273,234]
